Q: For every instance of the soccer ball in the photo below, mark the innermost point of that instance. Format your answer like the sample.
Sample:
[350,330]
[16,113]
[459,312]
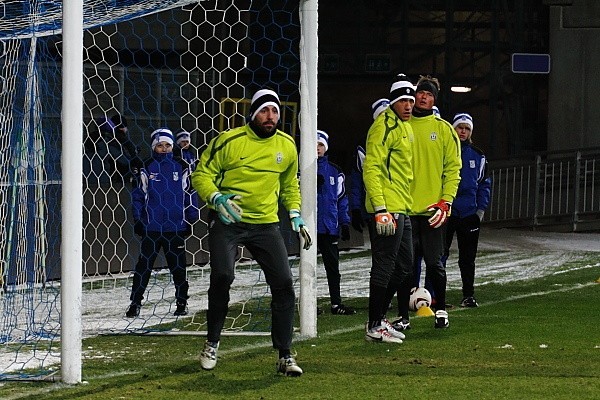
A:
[419,297]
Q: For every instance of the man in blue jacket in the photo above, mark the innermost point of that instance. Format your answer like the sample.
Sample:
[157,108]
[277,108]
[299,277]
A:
[163,217]
[472,199]
[332,221]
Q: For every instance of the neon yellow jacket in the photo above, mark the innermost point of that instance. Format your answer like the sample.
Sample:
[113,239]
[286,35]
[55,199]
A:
[262,171]
[436,162]
[387,170]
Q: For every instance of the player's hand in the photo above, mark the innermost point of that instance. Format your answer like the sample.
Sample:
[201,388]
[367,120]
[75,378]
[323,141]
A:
[480,214]
[345,232]
[441,213]
[229,212]
[385,224]
[299,226]
[296,220]
[357,220]
[306,237]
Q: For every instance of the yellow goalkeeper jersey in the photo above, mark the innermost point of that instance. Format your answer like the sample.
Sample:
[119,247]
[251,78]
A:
[387,170]
[261,170]
[436,162]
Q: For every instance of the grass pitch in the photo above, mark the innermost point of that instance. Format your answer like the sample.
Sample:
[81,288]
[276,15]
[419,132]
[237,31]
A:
[529,339]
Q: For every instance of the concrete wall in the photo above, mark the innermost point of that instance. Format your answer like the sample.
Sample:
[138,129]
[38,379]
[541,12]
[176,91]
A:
[574,84]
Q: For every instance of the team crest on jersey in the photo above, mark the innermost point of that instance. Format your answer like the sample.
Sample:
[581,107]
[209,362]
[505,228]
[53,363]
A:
[175,175]
[279,157]
[332,180]
[472,163]
[433,136]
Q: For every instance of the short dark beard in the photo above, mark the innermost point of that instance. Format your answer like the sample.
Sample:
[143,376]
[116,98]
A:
[260,131]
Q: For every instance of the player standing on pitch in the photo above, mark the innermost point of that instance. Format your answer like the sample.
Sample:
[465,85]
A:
[243,175]
[164,210]
[471,201]
[333,221]
[436,166]
[387,175]
[358,213]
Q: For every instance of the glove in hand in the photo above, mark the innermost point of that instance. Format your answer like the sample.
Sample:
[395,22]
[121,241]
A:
[385,224]
[345,232]
[306,236]
[296,220]
[299,226]
[357,220]
[441,213]
[229,212]
[480,214]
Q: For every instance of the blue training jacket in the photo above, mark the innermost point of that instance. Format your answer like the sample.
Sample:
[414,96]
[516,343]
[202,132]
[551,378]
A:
[358,194]
[332,202]
[474,189]
[189,156]
[163,200]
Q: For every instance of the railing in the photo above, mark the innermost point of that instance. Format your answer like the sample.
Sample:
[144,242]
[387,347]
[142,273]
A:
[558,191]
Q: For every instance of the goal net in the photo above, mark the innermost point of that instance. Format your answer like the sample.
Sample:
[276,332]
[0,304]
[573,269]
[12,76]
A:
[183,64]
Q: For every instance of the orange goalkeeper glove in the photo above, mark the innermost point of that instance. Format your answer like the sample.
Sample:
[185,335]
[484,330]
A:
[385,224]
[442,212]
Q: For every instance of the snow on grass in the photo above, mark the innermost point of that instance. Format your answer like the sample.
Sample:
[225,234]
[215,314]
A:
[505,256]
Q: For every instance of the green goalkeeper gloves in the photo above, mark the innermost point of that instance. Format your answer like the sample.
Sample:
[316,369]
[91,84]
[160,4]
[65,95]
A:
[299,226]
[229,212]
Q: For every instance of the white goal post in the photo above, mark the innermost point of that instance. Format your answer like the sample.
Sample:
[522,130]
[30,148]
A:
[309,45]
[72,120]
[72,192]
[84,83]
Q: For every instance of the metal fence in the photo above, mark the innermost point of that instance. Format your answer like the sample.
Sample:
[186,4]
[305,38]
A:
[558,191]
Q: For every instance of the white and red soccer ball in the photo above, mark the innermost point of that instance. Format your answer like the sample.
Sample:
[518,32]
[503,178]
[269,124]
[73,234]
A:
[419,297]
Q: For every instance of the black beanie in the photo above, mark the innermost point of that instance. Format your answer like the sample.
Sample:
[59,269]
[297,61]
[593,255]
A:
[428,86]
[261,99]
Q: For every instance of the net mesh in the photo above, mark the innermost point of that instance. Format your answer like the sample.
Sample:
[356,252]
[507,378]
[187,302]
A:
[181,64]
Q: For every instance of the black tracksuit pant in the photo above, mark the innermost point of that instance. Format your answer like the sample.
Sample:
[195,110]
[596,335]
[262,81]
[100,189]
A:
[328,246]
[467,238]
[173,245]
[391,269]
[265,243]
[429,245]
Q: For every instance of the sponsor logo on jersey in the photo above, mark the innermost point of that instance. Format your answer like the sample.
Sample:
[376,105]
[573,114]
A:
[433,136]
[279,158]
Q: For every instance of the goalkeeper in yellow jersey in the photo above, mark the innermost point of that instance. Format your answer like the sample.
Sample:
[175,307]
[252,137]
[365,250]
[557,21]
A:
[242,175]
[387,173]
[436,167]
